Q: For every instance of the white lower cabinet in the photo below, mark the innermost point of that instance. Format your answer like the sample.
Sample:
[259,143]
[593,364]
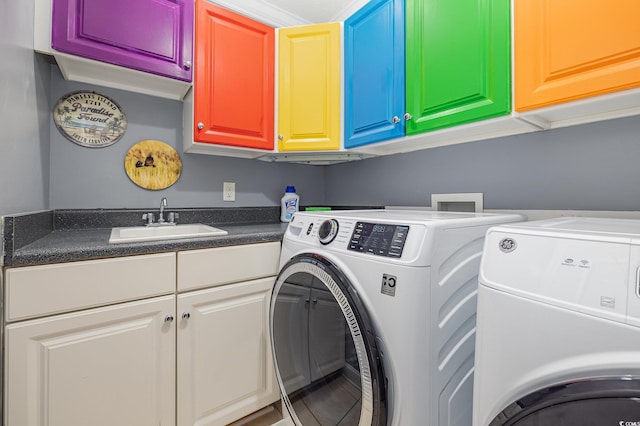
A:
[225,369]
[115,342]
[100,367]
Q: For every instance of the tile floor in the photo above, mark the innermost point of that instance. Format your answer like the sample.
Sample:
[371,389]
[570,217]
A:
[265,417]
[335,402]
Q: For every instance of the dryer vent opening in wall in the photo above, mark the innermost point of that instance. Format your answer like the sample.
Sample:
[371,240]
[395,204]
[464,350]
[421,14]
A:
[462,202]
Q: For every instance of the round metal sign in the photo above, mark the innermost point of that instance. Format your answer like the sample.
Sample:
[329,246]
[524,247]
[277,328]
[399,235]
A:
[89,119]
[152,164]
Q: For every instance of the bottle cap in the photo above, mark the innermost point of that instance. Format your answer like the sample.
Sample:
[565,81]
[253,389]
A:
[290,189]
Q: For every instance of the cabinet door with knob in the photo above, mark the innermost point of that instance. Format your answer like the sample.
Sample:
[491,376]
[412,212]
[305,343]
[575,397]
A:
[224,363]
[154,36]
[309,87]
[374,83]
[458,62]
[234,79]
[113,365]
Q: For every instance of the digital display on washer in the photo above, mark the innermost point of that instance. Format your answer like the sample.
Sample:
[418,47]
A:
[379,239]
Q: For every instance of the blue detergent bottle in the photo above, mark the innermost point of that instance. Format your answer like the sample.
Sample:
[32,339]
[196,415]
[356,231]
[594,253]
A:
[289,204]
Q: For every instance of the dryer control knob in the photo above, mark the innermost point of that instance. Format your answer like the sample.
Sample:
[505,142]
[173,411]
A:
[328,231]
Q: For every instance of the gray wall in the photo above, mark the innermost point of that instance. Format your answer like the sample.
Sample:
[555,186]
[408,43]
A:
[95,177]
[24,113]
[594,166]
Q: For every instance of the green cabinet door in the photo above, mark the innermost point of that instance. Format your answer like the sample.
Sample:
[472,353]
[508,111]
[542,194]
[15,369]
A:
[458,66]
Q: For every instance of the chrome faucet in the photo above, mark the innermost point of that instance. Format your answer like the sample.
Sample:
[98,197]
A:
[172,217]
[163,204]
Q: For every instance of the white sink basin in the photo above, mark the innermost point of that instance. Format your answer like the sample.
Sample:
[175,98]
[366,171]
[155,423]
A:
[131,234]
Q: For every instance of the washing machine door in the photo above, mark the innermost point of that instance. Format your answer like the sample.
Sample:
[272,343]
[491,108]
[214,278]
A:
[324,347]
[598,401]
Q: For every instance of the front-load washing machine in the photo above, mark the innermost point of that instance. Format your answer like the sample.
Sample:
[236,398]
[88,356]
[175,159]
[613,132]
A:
[558,324]
[373,316]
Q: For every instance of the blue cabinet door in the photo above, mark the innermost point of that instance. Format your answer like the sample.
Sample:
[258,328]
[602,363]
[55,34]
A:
[374,83]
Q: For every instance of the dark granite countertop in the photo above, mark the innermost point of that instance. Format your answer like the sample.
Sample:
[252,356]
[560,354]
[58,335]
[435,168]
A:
[72,245]
[71,235]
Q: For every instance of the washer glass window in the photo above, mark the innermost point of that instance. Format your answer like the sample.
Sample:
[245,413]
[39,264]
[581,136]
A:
[324,348]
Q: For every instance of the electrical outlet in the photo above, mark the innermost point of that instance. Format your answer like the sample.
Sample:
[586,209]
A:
[228,191]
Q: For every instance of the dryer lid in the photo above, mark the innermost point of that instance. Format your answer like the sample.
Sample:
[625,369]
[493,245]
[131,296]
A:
[592,228]
[583,275]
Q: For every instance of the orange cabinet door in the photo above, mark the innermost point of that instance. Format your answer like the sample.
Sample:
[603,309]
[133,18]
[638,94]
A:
[234,79]
[573,49]
[309,88]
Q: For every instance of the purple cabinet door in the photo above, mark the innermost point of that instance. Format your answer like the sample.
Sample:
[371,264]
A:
[154,36]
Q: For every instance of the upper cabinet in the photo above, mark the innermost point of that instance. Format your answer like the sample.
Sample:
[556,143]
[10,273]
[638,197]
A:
[232,103]
[148,35]
[436,71]
[397,76]
[309,88]
[576,62]
[458,62]
[568,50]
[143,46]
[374,86]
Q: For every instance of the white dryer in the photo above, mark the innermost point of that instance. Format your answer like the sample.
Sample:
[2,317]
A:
[373,316]
[558,324]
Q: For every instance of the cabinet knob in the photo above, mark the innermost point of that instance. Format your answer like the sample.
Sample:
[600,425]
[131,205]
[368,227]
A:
[407,116]
[280,137]
[168,318]
[187,65]
[186,315]
[201,125]
[395,119]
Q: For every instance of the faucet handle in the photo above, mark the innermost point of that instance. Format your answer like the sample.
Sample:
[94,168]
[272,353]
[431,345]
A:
[148,217]
[173,217]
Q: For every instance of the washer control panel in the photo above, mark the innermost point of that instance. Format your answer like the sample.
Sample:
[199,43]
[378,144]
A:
[378,239]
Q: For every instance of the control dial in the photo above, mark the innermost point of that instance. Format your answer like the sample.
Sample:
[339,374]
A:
[328,231]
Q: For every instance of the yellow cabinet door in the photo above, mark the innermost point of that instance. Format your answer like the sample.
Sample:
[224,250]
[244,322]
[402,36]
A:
[309,88]
[573,49]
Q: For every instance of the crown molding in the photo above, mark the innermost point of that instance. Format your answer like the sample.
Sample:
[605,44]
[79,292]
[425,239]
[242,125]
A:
[351,8]
[264,12]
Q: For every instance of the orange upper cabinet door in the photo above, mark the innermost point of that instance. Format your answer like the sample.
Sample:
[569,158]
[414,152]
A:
[309,88]
[573,49]
[234,79]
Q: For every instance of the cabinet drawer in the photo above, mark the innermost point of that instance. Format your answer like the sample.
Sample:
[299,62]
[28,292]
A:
[49,289]
[223,265]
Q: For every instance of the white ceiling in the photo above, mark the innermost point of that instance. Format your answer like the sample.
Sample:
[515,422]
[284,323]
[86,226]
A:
[317,11]
[285,13]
